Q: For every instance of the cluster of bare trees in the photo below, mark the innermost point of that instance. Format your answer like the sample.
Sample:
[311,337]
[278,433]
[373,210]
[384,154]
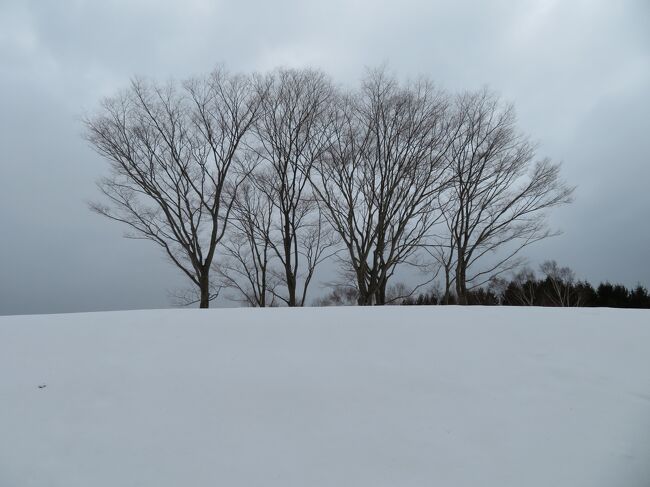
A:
[552,286]
[250,182]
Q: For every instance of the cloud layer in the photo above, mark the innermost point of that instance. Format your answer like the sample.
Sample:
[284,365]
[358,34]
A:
[578,72]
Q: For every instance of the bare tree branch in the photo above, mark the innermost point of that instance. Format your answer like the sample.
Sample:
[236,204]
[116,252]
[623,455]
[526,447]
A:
[500,193]
[175,157]
[381,174]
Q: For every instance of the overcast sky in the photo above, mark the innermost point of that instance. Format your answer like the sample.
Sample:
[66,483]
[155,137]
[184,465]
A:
[577,71]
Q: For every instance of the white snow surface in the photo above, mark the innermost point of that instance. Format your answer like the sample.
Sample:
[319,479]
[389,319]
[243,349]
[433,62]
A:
[336,397]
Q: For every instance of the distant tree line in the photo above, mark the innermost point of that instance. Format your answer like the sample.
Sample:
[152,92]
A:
[556,286]
[249,182]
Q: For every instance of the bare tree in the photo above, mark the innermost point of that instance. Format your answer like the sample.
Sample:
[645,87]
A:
[381,174]
[176,164]
[525,286]
[561,281]
[291,134]
[247,266]
[339,296]
[500,192]
[498,286]
[441,248]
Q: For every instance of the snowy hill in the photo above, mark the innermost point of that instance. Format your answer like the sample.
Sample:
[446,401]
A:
[408,396]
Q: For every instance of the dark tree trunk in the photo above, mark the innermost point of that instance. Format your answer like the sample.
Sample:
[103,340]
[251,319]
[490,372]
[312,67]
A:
[364,297]
[461,286]
[204,286]
[380,294]
[287,242]
[262,299]
[291,287]
[447,286]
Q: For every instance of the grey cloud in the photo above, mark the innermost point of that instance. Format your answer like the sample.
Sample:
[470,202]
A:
[578,72]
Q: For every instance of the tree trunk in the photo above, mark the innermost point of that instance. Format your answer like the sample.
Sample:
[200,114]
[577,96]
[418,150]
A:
[447,285]
[461,286]
[291,287]
[204,286]
[380,295]
[364,297]
[287,241]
